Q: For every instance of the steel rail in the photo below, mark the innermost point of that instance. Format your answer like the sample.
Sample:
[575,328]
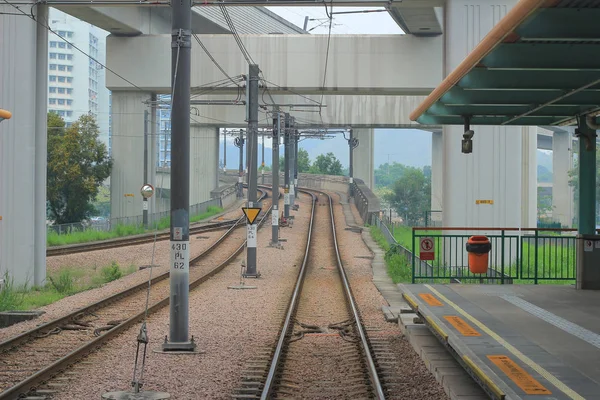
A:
[130,241]
[348,292]
[372,370]
[15,341]
[28,385]
[291,310]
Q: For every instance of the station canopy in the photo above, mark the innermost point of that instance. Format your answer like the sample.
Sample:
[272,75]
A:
[540,65]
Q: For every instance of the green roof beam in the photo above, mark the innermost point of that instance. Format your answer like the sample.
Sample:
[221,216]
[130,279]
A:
[458,95]
[544,56]
[428,119]
[480,78]
[509,110]
[565,24]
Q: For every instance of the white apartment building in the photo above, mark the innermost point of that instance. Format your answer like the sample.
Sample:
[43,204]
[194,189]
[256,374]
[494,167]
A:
[76,83]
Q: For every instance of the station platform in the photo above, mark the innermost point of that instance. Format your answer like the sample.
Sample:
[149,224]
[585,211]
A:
[517,341]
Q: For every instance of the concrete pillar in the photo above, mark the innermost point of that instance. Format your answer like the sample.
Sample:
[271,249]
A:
[493,171]
[437,175]
[562,193]
[128,154]
[364,156]
[204,162]
[19,165]
[41,145]
[529,177]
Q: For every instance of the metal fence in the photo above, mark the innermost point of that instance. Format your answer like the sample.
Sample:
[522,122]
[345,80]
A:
[516,256]
[137,220]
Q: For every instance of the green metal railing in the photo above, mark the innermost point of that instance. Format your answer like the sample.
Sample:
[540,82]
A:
[517,255]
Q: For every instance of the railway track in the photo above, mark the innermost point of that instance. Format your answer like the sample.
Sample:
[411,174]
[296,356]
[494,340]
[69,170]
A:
[30,360]
[322,350]
[133,240]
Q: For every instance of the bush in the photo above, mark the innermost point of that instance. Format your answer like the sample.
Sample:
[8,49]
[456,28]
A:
[10,298]
[64,283]
[111,272]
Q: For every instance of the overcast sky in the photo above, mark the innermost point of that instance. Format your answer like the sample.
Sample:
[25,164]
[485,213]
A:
[376,23]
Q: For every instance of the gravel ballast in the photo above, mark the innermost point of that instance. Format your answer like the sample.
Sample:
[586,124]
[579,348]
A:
[416,382]
[137,255]
[229,326]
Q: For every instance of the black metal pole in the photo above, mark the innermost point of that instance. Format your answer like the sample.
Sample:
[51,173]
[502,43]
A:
[262,163]
[181,46]
[351,168]
[296,137]
[275,179]
[145,200]
[241,167]
[224,150]
[286,167]
[252,153]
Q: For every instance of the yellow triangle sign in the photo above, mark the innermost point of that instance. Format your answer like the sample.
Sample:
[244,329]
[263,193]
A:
[251,213]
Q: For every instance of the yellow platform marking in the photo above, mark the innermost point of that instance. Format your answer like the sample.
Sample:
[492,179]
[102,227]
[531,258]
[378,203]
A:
[532,364]
[461,325]
[430,299]
[251,213]
[484,378]
[437,328]
[411,301]
[518,375]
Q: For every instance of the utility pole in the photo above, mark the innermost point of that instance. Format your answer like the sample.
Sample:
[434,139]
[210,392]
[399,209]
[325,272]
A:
[252,152]
[296,137]
[145,200]
[262,163]
[239,142]
[292,153]
[286,167]
[275,181]
[352,144]
[181,45]
[224,150]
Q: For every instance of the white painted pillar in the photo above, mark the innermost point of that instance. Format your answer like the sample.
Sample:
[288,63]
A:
[529,177]
[204,161]
[562,193]
[364,156]
[18,59]
[494,170]
[41,144]
[437,175]
[128,154]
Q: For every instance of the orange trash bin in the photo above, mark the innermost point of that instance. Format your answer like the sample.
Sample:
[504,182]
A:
[478,248]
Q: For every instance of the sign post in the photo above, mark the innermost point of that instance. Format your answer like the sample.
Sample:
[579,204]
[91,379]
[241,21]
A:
[251,214]
[426,249]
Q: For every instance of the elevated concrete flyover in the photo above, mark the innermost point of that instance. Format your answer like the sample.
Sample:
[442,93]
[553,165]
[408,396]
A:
[414,17]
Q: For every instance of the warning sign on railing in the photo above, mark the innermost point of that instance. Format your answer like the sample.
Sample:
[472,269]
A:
[427,249]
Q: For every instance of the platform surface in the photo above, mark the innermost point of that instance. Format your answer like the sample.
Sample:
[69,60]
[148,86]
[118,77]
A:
[519,341]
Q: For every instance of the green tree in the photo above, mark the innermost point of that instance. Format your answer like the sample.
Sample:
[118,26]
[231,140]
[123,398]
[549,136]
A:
[78,163]
[303,161]
[387,174]
[327,164]
[411,195]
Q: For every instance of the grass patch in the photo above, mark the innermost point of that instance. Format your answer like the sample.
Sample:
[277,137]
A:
[399,268]
[54,239]
[65,282]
